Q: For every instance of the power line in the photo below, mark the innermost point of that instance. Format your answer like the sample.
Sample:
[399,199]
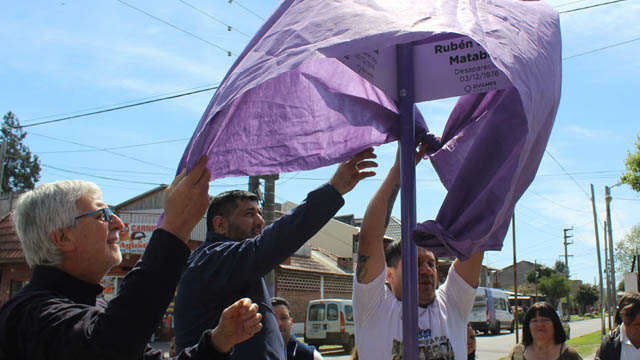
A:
[114,148]
[591,6]
[566,172]
[247,9]
[569,3]
[120,103]
[101,177]
[108,151]
[229,27]
[120,180]
[229,53]
[583,173]
[556,203]
[117,107]
[127,171]
[602,48]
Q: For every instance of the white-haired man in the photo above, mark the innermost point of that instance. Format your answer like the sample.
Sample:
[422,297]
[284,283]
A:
[70,238]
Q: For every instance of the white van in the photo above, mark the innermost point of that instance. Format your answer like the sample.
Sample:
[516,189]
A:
[330,322]
[491,311]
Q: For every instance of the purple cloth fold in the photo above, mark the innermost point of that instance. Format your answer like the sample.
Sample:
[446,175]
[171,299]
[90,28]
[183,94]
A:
[288,104]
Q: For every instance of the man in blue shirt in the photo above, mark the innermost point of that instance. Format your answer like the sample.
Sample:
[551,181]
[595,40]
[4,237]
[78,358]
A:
[296,350]
[238,253]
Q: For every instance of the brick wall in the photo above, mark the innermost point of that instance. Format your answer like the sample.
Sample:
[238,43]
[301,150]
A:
[299,287]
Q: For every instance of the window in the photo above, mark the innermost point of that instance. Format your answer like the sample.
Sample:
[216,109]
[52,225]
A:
[348,312]
[480,302]
[332,312]
[316,312]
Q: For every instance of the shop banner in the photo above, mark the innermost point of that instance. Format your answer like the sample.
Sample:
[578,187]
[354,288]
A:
[134,237]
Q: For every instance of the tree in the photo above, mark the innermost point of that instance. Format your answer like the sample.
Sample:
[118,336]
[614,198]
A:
[560,267]
[21,168]
[586,295]
[554,287]
[626,249]
[632,175]
[539,272]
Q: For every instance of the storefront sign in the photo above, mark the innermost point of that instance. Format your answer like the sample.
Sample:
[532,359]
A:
[134,237]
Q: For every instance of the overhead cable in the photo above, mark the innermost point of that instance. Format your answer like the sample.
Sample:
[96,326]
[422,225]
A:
[246,8]
[569,3]
[100,177]
[116,108]
[590,6]
[602,48]
[120,103]
[114,148]
[569,175]
[229,27]
[109,151]
[228,52]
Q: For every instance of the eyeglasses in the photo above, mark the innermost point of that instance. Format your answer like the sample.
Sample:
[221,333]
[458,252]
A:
[107,214]
[540,321]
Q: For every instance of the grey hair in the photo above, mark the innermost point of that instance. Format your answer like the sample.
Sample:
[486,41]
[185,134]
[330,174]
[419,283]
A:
[45,209]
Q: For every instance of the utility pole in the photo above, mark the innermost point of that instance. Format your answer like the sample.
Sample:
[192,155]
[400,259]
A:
[607,200]
[607,272]
[595,226]
[535,268]
[268,212]
[566,267]
[3,154]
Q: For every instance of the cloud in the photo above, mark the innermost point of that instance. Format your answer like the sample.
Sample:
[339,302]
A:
[589,133]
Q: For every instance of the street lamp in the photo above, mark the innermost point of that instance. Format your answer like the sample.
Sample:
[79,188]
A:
[607,200]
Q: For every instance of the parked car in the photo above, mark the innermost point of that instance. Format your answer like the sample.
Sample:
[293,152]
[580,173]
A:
[330,322]
[491,311]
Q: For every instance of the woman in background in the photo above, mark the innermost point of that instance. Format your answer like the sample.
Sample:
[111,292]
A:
[543,336]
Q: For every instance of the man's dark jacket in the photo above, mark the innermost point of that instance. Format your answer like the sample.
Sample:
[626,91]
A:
[611,347]
[221,271]
[297,350]
[55,316]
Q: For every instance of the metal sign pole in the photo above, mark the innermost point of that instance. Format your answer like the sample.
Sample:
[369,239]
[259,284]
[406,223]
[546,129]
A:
[408,203]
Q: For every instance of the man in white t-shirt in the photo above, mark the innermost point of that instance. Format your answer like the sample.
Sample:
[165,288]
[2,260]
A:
[377,290]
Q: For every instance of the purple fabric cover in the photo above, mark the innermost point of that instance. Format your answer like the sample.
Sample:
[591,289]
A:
[287,104]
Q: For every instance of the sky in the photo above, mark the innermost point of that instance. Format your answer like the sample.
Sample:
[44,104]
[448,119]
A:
[68,57]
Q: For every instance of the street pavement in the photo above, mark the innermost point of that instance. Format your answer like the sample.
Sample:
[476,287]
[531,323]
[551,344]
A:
[490,347]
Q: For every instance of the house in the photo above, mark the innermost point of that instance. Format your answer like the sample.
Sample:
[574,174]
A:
[14,271]
[312,273]
[503,278]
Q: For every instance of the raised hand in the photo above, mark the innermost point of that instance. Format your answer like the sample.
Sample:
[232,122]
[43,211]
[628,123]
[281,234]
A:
[238,322]
[186,200]
[350,172]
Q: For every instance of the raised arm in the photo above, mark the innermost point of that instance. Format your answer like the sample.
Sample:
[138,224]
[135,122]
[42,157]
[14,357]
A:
[469,270]
[376,219]
[287,234]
